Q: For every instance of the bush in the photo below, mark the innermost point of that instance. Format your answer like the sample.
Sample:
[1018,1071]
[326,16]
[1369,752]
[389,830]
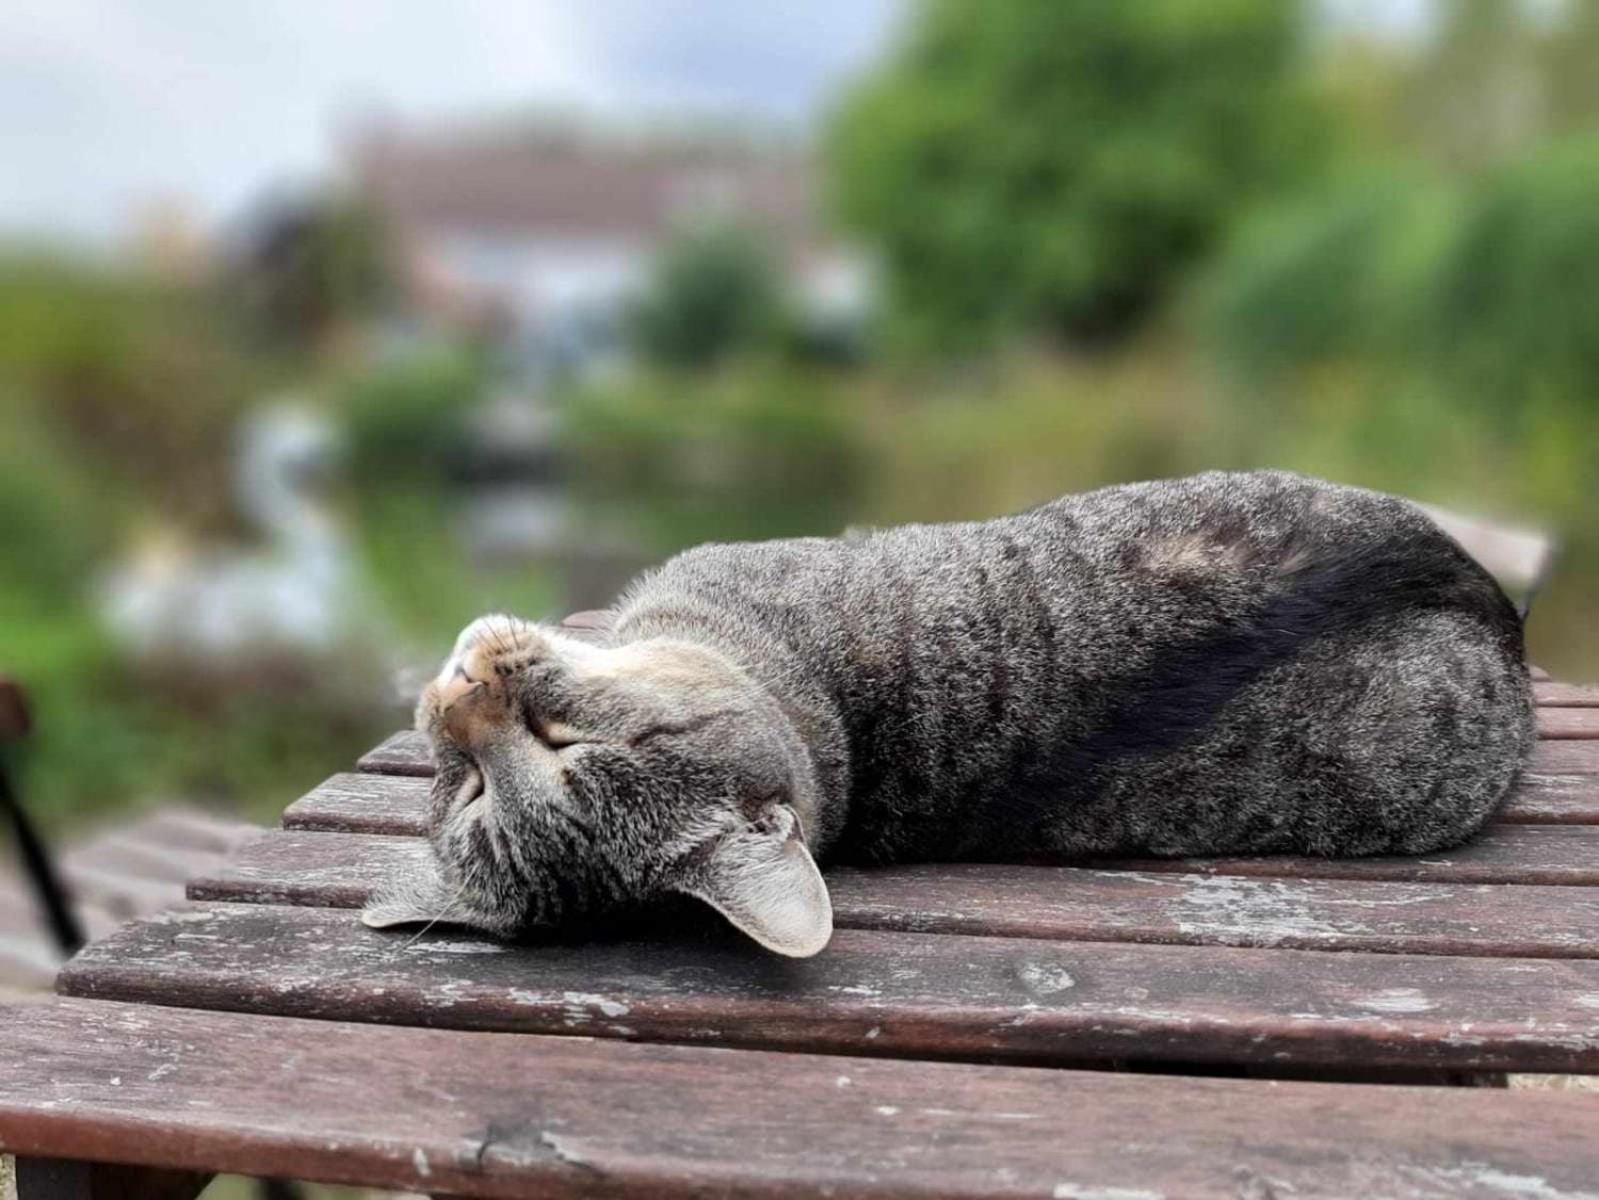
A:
[1338,275]
[1488,291]
[126,378]
[749,452]
[405,420]
[1516,312]
[1055,167]
[714,294]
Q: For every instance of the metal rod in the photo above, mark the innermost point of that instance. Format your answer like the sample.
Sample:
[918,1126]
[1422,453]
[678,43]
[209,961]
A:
[64,925]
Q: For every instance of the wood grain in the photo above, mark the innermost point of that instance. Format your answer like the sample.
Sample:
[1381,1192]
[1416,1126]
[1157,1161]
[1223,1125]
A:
[1568,723]
[372,803]
[406,753]
[873,993]
[1566,694]
[402,753]
[1526,853]
[368,803]
[1510,852]
[1565,758]
[489,1114]
[1067,903]
[1552,799]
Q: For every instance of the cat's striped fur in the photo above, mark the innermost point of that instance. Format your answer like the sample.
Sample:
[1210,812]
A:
[1229,663]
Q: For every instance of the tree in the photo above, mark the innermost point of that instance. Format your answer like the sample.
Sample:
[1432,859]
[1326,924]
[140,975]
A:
[1053,167]
[714,292]
[311,267]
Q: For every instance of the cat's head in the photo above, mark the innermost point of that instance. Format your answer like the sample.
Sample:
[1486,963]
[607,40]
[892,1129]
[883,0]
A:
[576,778]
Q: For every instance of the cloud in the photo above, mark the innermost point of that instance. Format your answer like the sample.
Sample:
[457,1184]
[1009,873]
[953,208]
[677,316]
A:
[107,103]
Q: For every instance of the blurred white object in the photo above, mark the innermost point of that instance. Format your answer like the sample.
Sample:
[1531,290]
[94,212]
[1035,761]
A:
[290,595]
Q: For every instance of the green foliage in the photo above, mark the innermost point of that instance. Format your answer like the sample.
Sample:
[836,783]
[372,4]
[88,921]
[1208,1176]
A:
[313,267]
[714,294]
[1487,289]
[421,576]
[52,528]
[404,419]
[1054,167]
[1342,273]
[760,450]
[1516,321]
[129,378]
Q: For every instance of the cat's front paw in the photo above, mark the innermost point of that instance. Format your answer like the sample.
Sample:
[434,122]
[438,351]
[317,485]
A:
[487,651]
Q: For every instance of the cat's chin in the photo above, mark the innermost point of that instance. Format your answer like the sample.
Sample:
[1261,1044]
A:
[425,899]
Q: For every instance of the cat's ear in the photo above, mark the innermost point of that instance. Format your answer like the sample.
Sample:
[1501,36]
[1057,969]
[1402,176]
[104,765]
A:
[764,881]
[421,896]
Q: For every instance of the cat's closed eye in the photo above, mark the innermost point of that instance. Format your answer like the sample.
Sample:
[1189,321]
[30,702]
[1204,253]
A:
[557,735]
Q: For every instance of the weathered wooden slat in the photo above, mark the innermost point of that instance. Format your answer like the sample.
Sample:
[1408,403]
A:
[1065,903]
[876,993]
[1553,800]
[490,1114]
[1565,758]
[364,803]
[1511,852]
[398,804]
[1568,723]
[406,753]
[402,753]
[1527,853]
[1570,695]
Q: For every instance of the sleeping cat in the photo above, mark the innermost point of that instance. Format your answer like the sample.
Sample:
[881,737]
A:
[1234,663]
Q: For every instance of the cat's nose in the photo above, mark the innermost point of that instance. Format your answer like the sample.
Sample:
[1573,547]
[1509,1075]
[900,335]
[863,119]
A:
[457,687]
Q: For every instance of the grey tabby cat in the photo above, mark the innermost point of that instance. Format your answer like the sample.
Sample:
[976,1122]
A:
[1245,663]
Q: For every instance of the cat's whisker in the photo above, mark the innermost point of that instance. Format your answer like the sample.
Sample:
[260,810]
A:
[443,912]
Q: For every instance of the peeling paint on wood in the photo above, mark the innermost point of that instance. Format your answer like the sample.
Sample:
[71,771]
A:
[504,1115]
[326,869]
[934,995]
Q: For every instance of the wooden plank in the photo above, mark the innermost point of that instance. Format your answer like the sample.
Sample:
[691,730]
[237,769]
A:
[406,753]
[1065,903]
[1568,723]
[402,753]
[1566,695]
[1553,800]
[489,1114]
[367,803]
[183,829]
[363,803]
[1527,853]
[875,993]
[1565,758]
[1510,852]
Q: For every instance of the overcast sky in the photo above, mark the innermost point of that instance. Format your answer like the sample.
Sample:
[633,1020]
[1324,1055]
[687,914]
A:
[106,105]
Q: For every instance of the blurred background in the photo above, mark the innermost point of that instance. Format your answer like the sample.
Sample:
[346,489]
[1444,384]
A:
[324,328]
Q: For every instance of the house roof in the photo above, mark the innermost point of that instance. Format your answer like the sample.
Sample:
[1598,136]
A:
[577,184]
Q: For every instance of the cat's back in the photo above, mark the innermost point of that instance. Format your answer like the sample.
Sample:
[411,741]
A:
[1167,661]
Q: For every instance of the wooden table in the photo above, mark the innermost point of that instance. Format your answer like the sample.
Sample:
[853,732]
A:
[940,1045]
